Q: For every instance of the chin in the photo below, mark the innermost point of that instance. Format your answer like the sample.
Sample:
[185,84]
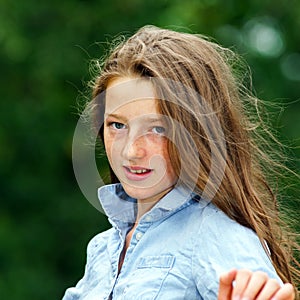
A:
[145,194]
[138,193]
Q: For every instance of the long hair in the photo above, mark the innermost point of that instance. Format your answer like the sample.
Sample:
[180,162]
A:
[178,63]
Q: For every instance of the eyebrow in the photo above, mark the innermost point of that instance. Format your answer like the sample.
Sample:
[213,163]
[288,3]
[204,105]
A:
[145,118]
[116,116]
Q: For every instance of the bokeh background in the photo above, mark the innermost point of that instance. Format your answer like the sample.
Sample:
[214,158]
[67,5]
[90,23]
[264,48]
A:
[45,50]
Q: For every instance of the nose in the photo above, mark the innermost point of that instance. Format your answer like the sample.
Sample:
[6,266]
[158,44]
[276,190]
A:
[134,147]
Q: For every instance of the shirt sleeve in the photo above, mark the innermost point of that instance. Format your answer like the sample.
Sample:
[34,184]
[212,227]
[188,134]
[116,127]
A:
[88,282]
[223,244]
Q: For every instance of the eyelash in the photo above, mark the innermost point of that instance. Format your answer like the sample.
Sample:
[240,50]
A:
[160,127]
[114,125]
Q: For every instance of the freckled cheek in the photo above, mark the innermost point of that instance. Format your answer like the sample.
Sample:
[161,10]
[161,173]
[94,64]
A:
[169,168]
[161,149]
[156,146]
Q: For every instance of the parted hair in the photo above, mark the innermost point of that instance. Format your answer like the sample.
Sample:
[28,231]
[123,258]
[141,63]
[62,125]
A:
[226,159]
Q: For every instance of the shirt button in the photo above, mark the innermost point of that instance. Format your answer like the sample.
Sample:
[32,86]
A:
[148,218]
[138,236]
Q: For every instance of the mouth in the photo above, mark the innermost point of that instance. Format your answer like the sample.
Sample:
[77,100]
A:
[137,173]
[137,170]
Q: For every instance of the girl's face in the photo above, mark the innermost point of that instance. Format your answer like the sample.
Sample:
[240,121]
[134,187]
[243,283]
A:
[135,140]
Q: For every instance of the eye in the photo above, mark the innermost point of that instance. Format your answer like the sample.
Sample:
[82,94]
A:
[117,125]
[158,130]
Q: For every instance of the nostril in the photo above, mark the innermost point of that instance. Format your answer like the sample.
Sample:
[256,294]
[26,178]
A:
[134,149]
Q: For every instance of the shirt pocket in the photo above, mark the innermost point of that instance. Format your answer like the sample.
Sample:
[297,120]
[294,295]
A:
[147,279]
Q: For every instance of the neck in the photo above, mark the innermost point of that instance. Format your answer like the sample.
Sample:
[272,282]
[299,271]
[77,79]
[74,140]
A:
[145,205]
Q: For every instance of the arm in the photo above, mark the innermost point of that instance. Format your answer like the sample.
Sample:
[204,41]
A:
[252,285]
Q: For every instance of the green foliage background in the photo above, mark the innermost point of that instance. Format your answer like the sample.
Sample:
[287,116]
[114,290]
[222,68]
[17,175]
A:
[45,49]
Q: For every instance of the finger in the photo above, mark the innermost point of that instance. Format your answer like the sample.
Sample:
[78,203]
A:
[269,289]
[241,281]
[286,292]
[225,287]
[255,284]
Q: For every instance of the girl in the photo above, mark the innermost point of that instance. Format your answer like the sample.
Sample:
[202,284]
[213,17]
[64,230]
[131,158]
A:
[193,215]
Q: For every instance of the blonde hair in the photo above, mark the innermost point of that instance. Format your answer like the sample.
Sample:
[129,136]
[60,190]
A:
[243,193]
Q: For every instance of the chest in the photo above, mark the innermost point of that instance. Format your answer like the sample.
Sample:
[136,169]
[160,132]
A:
[154,265]
[157,264]
[126,245]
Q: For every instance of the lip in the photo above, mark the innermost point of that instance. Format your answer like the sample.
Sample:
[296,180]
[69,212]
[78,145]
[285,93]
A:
[136,176]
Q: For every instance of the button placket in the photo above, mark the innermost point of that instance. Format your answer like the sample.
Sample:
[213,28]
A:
[138,235]
[148,218]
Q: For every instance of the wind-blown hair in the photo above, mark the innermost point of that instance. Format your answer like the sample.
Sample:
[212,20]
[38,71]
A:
[243,191]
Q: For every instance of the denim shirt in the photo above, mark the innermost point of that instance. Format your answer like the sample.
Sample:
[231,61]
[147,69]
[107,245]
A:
[178,250]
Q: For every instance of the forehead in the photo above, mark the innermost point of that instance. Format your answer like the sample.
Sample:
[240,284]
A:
[130,93]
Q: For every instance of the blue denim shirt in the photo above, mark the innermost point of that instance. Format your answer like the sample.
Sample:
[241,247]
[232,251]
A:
[178,250]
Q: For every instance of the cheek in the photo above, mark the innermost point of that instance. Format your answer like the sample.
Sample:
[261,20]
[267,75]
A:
[162,149]
[108,144]
[169,167]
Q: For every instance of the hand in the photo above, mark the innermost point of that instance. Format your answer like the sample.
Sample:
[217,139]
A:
[252,285]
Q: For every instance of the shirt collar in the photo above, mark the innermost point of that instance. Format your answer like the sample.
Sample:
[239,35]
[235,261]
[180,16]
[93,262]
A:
[119,207]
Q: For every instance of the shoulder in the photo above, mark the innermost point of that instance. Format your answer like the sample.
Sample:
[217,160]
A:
[95,269]
[221,226]
[226,237]
[99,242]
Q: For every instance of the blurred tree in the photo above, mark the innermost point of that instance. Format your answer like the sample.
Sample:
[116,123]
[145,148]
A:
[45,222]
